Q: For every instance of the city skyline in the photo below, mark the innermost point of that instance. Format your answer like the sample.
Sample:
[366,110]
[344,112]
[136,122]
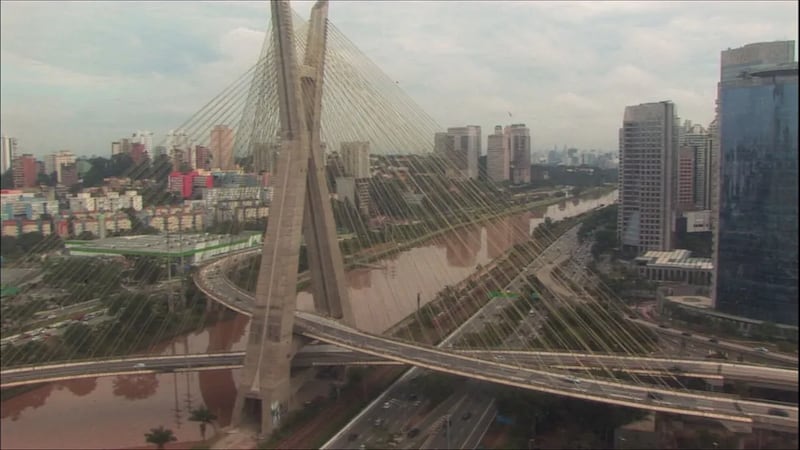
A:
[83,100]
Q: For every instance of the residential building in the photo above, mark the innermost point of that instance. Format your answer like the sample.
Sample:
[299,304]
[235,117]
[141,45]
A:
[498,157]
[221,146]
[647,177]
[519,145]
[202,158]
[145,138]
[356,191]
[54,162]
[16,204]
[8,152]
[112,201]
[138,153]
[26,171]
[116,148]
[756,253]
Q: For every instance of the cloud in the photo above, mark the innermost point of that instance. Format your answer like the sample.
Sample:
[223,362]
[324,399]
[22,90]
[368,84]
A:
[81,74]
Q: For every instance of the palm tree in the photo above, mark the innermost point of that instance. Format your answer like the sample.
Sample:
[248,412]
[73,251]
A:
[204,416]
[160,436]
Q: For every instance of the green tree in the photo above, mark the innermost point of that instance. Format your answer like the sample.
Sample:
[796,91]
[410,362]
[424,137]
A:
[78,336]
[160,436]
[204,416]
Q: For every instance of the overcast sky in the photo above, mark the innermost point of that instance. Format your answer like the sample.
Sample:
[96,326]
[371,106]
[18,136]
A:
[80,75]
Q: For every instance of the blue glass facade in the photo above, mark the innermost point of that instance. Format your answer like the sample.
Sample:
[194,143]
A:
[757,266]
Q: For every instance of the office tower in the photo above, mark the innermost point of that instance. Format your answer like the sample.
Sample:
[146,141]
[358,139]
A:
[686,178]
[355,158]
[647,177]
[116,148]
[519,145]
[54,162]
[734,62]
[756,256]
[9,152]
[712,182]
[497,156]
[26,171]
[464,146]
[221,147]
[696,139]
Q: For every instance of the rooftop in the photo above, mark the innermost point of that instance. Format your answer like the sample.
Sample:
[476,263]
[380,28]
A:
[677,259]
[158,244]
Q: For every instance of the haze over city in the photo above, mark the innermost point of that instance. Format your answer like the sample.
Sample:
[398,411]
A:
[80,75]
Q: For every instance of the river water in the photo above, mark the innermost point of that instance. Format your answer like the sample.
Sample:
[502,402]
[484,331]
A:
[115,412]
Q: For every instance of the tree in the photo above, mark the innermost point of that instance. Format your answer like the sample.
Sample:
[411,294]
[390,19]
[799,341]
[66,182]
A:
[204,416]
[160,436]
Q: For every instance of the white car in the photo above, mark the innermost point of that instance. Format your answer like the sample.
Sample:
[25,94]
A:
[139,366]
[387,405]
[762,350]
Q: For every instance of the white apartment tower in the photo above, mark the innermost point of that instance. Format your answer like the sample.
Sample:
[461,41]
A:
[9,152]
[497,156]
[355,159]
[648,177]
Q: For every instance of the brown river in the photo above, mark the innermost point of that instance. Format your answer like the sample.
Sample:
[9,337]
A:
[116,411]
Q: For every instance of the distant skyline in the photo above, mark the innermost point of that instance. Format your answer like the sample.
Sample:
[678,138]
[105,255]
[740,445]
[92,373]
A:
[78,76]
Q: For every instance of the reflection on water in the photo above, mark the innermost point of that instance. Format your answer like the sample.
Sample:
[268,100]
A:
[117,411]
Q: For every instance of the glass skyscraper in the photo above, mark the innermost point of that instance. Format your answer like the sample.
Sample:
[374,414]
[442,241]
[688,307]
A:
[757,248]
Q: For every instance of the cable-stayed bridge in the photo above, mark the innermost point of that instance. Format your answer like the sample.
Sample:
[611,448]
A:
[286,124]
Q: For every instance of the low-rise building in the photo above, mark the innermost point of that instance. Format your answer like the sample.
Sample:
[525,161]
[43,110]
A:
[677,266]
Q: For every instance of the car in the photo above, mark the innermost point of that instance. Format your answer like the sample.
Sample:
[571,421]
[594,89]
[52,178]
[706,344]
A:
[686,333]
[713,340]
[378,422]
[139,366]
[413,397]
[663,325]
[762,350]
[654,396]
[352,437]
[571,379]
[414,432]
[675,369]
[417,403]
[387,405]
[466,415]
[777,412]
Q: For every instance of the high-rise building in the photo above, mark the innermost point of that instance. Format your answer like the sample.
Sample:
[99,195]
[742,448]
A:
[498,157]
[202,158]
[145,138]
[221,147]
[355,158]
[519,145]
[25,171]
[54,162]
[138,153]
[647,177]
[69,174]
[8,145]
[756,251]
[116,148]
[696,139]
[125,146]
[686,168]
[464,146]
[734,62]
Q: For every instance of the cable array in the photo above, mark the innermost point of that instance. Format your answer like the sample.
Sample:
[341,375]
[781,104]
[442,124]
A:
[361,103]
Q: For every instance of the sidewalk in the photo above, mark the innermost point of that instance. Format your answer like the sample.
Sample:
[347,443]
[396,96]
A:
[237,438]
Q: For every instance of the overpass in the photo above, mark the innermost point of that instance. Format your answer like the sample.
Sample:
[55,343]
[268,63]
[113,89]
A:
[326,355]
[212,281]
